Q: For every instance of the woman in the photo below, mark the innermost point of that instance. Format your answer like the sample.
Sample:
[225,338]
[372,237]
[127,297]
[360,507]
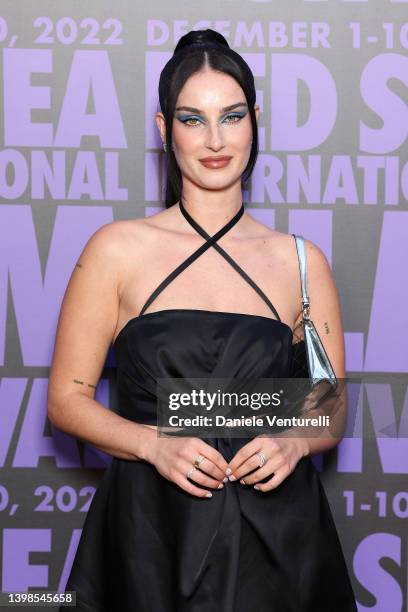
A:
[171,526]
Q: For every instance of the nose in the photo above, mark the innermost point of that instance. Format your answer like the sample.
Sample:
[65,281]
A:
[215,138]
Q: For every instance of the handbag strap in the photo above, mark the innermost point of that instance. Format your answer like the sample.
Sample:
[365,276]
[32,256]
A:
[301,252]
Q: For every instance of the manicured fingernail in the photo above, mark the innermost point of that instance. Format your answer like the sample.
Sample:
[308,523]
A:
[220,486]
[232,477]
[225,479]
[242,481]
[257,488]
[208,494]
[228,471]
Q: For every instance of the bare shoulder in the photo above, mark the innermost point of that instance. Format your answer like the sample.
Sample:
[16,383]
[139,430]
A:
[283,246]
[319,273]
[321,282]
[116,235]
[120,246]
[140,231]
[115,243]
[278,245]
[316,258]
[280,249]
[107,239]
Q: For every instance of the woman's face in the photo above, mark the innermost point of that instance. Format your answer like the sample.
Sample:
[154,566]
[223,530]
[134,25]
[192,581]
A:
[204,127]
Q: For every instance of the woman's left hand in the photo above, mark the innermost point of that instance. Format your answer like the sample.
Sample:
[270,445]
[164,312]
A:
[282,456]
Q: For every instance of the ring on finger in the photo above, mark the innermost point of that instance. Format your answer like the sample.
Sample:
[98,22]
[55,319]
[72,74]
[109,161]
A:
[198,460]
[262,458]
[190,471]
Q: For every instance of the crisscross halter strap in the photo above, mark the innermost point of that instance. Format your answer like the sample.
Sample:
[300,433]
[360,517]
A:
[211,241]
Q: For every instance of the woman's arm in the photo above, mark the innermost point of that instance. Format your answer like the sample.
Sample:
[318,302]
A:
[325,312]
[85,330]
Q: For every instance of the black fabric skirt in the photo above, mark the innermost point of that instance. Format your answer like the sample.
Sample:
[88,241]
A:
[149,546]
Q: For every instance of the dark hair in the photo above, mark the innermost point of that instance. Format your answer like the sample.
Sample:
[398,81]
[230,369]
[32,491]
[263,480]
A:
[192,52]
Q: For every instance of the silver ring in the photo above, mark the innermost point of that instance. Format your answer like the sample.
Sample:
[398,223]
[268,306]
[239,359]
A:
[198,460]
[262,458]
[190,471]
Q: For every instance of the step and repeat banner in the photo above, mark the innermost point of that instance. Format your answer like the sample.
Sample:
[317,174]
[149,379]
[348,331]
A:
[80,148]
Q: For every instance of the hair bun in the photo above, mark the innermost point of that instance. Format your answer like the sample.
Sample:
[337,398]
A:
[201,37]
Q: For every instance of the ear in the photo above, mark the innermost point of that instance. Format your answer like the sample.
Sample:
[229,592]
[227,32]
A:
[161,124]
[257,111]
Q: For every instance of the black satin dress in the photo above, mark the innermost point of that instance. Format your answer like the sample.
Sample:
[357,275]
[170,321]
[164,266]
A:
[149,546]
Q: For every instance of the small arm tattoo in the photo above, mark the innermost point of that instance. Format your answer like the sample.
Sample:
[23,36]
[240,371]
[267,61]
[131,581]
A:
[326,327]
[81,382]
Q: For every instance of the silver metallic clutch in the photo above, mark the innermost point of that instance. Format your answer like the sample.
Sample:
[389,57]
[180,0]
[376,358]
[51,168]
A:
[318,363]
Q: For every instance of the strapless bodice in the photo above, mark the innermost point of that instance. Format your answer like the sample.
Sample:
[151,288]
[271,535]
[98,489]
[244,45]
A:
[191,343]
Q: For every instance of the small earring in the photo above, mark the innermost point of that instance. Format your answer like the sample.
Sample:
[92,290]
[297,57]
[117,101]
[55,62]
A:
[165,146]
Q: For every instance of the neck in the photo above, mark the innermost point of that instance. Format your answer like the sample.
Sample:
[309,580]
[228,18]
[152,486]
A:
[211,215]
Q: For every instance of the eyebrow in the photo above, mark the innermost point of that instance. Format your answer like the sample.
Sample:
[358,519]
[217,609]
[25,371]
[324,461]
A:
[191,109]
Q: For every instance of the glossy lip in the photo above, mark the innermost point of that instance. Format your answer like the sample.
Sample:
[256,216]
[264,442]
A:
[215,159]
[216,164]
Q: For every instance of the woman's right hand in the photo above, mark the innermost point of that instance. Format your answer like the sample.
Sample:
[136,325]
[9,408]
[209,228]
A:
[173,457]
